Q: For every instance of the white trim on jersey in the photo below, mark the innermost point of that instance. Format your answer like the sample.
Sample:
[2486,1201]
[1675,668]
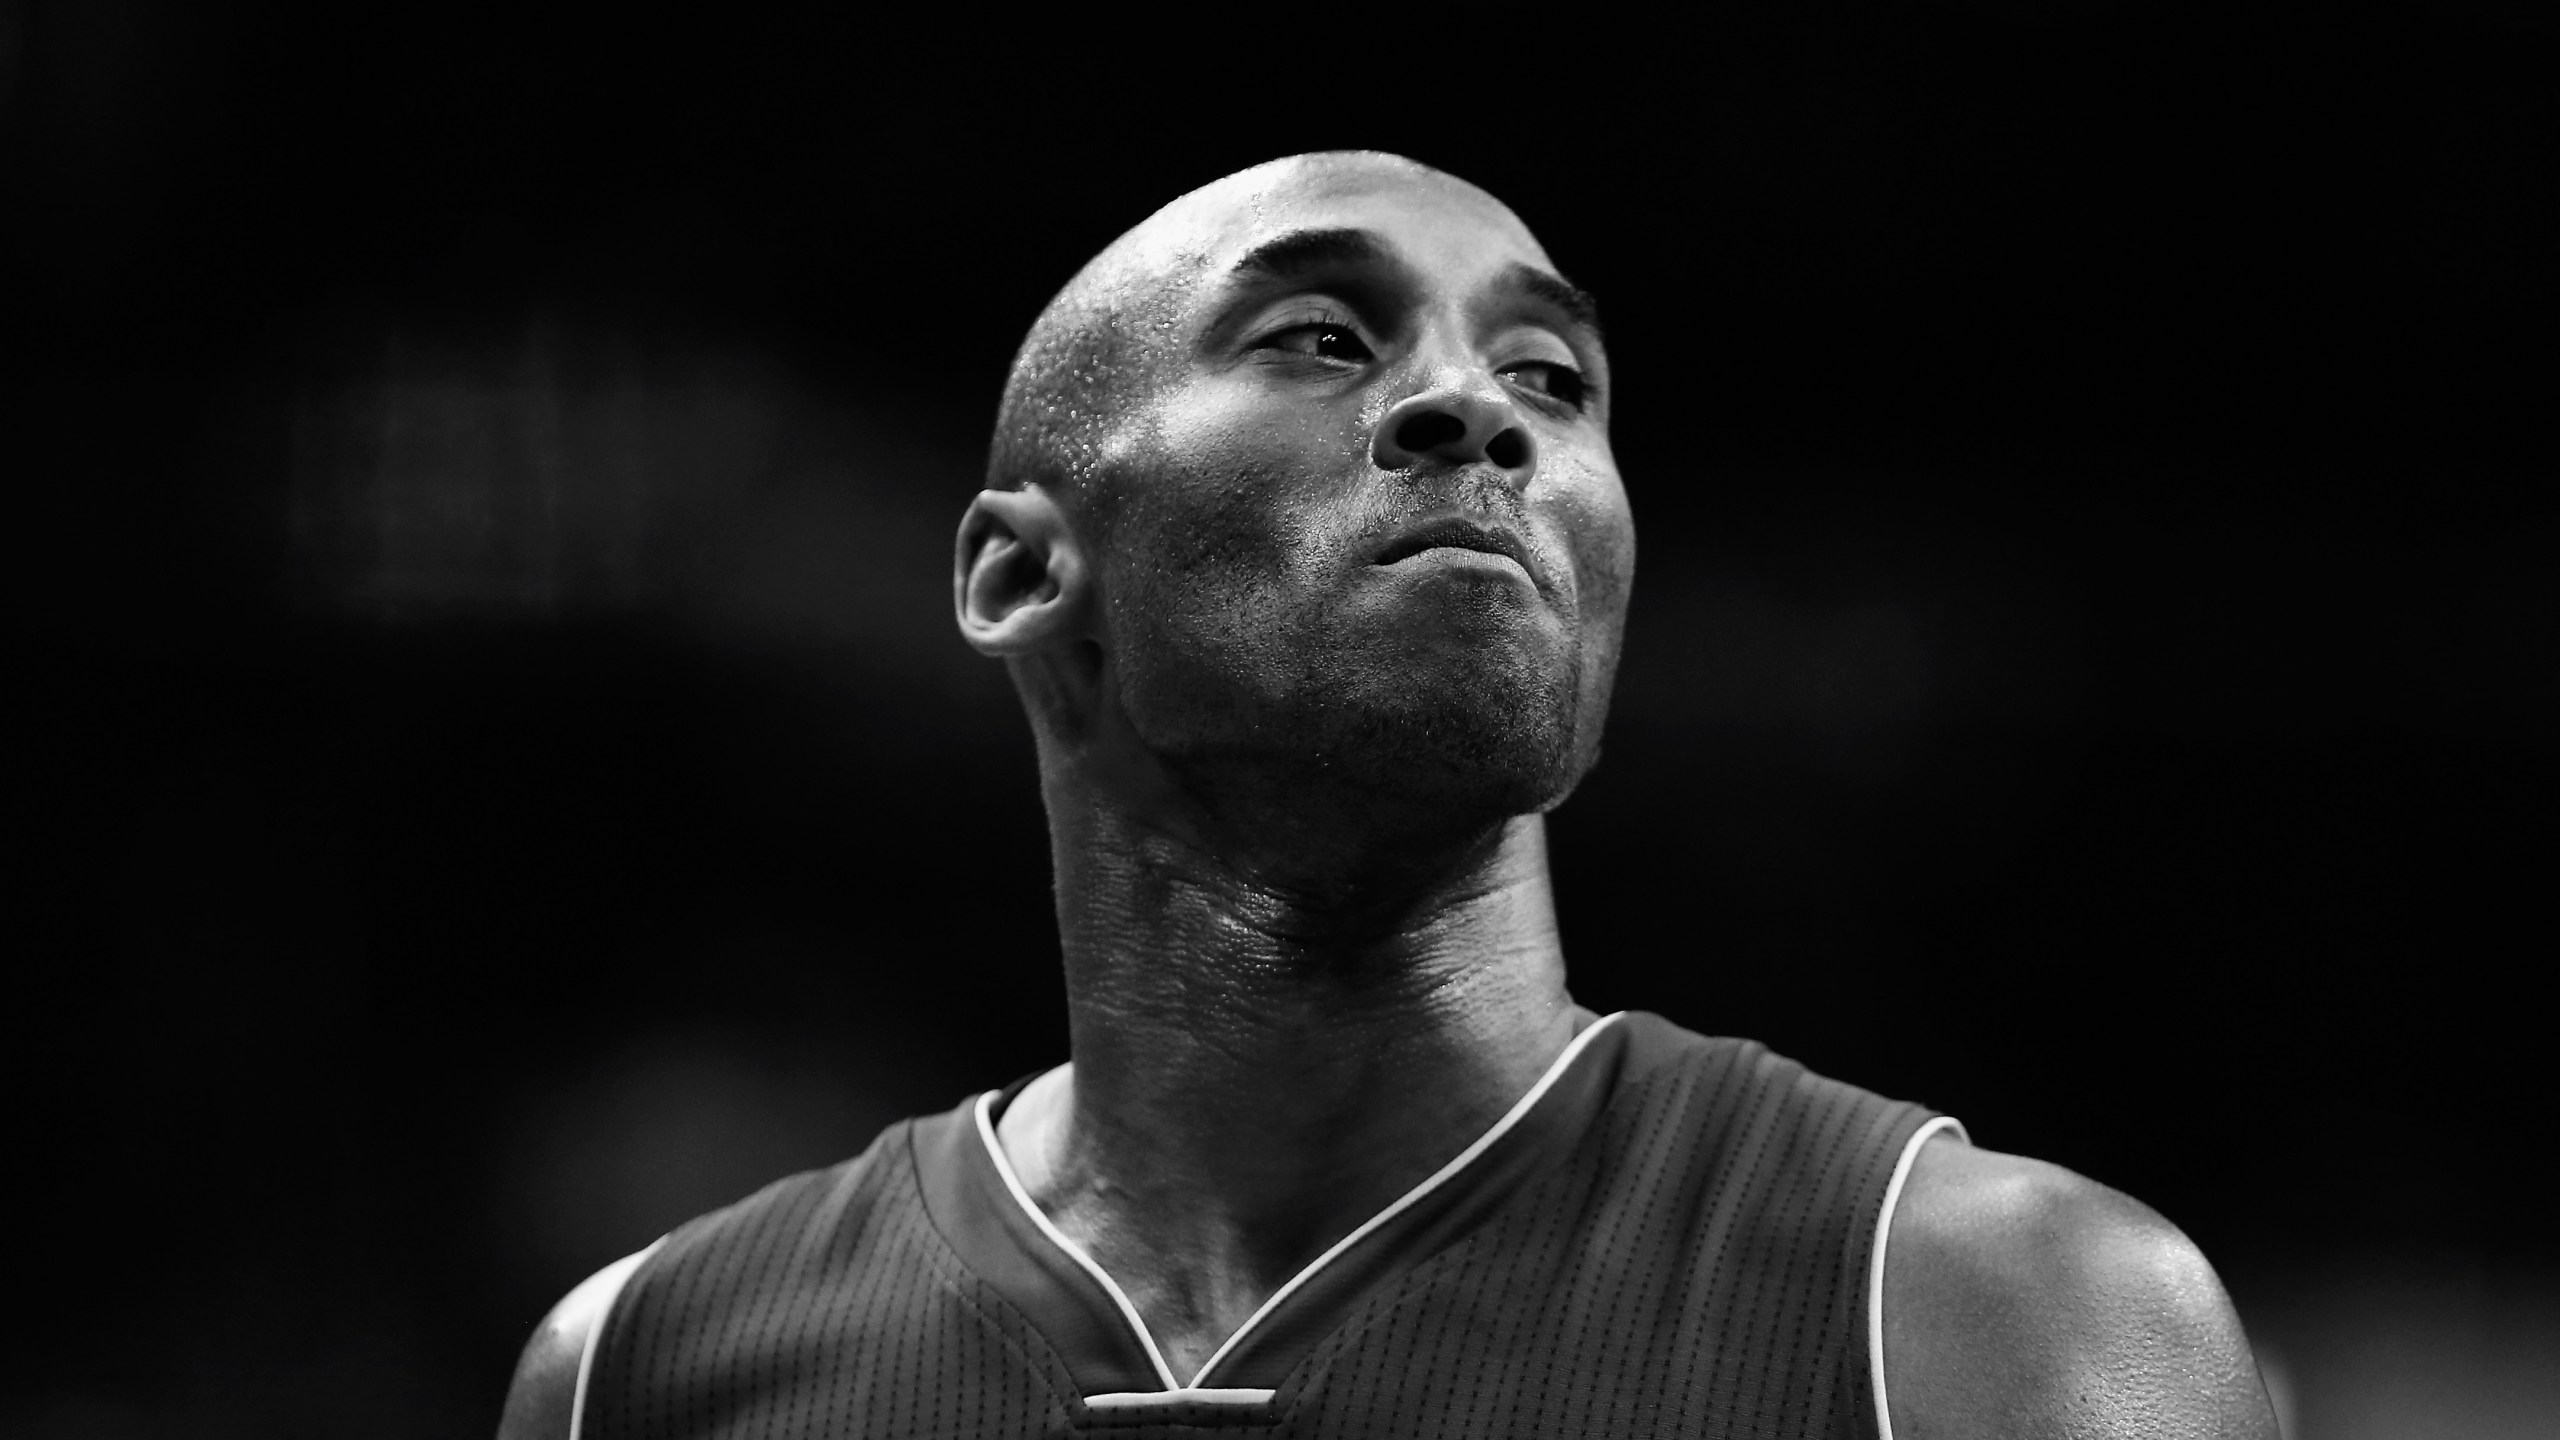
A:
[1875,1262]
[1411,1197]
[1075,1252]
[609,1281]
[1188,1395]
[1438,1178]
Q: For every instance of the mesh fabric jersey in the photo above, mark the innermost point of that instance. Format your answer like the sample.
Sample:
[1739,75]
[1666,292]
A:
[1671,1236]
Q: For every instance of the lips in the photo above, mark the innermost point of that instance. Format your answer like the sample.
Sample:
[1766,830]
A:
[1453,533]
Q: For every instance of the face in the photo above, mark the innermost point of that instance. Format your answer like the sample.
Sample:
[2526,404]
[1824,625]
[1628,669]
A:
[1363,528]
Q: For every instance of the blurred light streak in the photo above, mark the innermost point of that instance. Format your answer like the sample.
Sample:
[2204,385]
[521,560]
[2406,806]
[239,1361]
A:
[551,475]
[669,1127]
[2414,1350]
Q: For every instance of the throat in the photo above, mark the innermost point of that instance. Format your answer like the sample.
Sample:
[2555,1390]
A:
[1260,1069]
[1200,1233]
[1191,1310]
[1195,1273]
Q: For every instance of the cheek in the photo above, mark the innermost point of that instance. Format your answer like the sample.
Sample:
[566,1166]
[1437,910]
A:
[1224,424]
[1216,552]
[1591,515]
[1223,490]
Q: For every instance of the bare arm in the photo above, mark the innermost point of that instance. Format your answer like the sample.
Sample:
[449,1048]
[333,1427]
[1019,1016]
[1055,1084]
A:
[542,1400]
[2023,1300]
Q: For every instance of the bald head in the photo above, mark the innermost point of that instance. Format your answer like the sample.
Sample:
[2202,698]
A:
[1111,336]
[1306,482]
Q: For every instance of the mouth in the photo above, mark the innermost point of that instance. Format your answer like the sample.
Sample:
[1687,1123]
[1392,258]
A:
[1454,533]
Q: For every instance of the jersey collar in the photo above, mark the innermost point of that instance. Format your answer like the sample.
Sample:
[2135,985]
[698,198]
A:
[982,1209]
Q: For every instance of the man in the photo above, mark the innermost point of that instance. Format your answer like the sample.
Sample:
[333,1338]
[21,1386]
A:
[1308,557]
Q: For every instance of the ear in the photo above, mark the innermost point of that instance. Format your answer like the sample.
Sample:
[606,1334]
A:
[1018,578]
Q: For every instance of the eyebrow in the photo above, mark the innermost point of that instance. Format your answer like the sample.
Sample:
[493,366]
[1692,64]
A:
[1300,254]
[1555,290]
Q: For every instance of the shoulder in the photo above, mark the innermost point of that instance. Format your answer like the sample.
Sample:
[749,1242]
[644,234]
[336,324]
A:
[542,1399]
[2023,1299]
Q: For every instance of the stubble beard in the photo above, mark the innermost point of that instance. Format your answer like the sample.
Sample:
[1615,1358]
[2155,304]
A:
[1276,692]
[1439,749]
[1320,727]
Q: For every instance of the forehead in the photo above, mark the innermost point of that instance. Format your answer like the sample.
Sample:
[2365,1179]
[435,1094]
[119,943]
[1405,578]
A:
[1445,228]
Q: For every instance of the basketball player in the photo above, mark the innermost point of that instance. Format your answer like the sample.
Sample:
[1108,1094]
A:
[1306,552]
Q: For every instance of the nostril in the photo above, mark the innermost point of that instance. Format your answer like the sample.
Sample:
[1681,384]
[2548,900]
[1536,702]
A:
[1429,431]
[1510,450]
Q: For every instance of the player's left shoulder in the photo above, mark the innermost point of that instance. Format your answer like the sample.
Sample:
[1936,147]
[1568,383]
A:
[2023,1299]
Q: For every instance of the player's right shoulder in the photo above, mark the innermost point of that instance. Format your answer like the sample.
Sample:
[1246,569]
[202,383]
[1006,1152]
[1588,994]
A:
[542,1400]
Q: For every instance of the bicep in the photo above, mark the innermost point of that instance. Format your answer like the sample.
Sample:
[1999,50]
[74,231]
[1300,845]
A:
[542,1400]
[2021,1299]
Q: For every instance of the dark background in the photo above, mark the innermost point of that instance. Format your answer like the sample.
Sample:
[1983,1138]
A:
[493,775]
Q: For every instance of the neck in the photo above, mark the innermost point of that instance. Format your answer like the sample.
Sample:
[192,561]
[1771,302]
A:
[1267,1054]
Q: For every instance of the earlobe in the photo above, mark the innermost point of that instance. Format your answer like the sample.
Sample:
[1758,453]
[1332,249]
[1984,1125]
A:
[1018,577]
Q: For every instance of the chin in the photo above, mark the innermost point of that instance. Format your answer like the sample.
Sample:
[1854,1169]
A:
[1476,749]
[1472,718]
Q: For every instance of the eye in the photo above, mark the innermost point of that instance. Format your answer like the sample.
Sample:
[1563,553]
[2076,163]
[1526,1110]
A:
[1324,339]
[1561,383]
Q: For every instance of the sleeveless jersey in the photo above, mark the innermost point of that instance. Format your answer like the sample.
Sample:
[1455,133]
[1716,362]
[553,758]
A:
[1671,1234]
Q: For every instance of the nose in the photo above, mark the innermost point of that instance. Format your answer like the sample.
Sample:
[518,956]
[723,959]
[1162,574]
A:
[1457,423]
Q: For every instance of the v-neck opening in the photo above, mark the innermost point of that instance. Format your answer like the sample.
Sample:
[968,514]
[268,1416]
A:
[1078,1305]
